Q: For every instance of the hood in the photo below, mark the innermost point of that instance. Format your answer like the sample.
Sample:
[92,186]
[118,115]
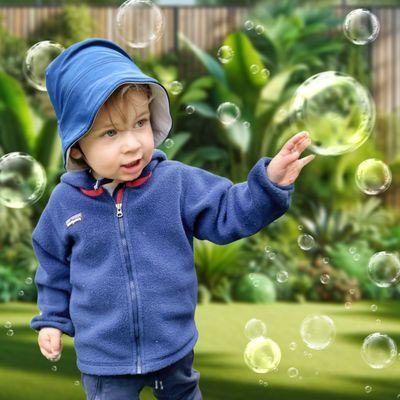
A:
[81,79]
[90,186]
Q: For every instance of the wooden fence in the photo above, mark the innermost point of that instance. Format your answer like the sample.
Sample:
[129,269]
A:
[208,26]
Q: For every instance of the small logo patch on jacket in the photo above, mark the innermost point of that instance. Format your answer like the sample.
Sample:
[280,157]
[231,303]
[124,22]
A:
[75,218]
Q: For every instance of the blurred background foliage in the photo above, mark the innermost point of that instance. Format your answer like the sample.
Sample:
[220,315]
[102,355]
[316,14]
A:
[299,40]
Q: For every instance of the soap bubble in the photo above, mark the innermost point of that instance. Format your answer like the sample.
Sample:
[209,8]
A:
[379,350]
[169,143]
[293,346]
[262,355]
[249,25]
[176,87]
[225,54]
[190,109]
[228,113]
[368,389]
[293,372]
[37,58]
[282,276]
[317,331]
[254,69]
[265,73]
[374,307]
[305,241]
[254,328]
[259,29]
[384,269]
[139,22]
[373,176]
[337,112]
[324,278]
[22,180]
[361,26]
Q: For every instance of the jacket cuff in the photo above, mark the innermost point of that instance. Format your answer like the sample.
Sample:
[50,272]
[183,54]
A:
[280,193]
[66,327]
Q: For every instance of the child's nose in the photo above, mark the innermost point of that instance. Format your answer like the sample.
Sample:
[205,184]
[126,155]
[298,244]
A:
[130,141]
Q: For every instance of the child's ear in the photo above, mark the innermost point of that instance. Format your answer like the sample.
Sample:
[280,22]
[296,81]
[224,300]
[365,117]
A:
[75,153]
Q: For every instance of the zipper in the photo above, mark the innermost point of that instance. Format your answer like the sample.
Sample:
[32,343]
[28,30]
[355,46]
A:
[132,287]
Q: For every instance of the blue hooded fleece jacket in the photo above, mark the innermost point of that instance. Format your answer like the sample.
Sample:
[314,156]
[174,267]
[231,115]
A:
[116,271]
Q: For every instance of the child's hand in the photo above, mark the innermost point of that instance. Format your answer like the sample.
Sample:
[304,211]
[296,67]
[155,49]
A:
[285,167]
[50,342]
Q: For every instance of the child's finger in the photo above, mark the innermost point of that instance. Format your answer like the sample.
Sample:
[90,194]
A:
[302,145]
[55,344]
[292,142]
[306,160]
[46,353]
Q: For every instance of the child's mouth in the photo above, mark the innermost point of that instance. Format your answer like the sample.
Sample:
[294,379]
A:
[132,167]
[132,164]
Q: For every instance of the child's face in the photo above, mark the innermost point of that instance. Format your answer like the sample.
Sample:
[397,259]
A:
[107,149]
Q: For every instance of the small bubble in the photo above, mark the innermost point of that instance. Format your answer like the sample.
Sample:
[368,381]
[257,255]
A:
[7,324]
[292,346]
[176,87]
[249,25]
[282,276]
[259,29]
[54,368]
[368,389]
[169,143]
[190,109]
[293,372]
[10,332]
[374,307]
[254,69]
[324,278]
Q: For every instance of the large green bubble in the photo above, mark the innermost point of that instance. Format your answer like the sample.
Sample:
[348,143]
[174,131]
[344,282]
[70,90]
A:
[336,110]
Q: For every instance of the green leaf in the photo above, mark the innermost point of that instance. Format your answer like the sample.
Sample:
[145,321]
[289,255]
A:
[209,63]
[238,69]
[20,121]
[273,90]
[179,141]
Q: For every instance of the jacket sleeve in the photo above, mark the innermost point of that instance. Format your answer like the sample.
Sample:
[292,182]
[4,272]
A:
[215,209]
[52,277]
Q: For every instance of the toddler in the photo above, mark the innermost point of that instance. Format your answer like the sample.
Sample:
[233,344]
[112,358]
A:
[115,240]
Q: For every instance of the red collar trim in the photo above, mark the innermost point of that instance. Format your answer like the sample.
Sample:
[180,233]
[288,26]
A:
[100,190]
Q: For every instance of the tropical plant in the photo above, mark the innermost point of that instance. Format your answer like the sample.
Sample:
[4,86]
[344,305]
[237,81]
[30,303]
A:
[217,267]
[23,130]
[294,44]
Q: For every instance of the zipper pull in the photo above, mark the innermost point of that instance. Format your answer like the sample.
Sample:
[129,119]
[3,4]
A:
[119,209]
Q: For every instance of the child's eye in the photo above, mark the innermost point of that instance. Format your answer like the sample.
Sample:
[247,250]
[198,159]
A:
[111,130]
[144,120]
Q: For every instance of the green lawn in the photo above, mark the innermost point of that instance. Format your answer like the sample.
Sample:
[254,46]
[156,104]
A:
[335,373]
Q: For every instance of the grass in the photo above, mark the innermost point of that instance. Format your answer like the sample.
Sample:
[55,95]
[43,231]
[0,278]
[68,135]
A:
[337,372]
